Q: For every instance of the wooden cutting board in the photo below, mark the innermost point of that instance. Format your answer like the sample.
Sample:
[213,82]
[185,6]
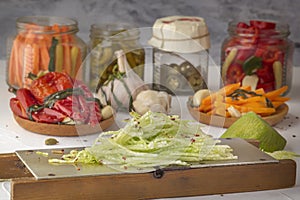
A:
[157,184]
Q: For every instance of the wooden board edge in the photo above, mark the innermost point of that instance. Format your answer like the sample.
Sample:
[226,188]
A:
[12,167]
[173,183]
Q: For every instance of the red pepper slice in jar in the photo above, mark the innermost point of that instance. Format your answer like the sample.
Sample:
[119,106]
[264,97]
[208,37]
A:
[235,74]
[265,74]
[243,54]
[266,86]
[254,40]
[49,84]
[262,24]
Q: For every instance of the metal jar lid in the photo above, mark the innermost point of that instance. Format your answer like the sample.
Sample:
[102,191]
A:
[182,34]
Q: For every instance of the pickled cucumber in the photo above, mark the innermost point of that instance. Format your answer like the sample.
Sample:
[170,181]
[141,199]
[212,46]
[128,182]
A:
[103,60]
[181,77]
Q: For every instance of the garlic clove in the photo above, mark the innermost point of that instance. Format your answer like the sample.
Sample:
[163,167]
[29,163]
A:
[107,112]
[234,112]
[250,80]
[199,96]
[140,107]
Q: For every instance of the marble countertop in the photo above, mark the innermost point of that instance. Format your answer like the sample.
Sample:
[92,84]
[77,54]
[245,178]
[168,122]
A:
[13,138]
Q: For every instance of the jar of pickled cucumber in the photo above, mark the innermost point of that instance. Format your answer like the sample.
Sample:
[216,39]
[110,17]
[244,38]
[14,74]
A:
[180,54]
[105,39]
[43,43]
[257,53]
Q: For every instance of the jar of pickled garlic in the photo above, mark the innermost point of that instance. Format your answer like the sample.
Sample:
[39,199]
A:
[257,54]
[105,40]
[180,54]
[43,43]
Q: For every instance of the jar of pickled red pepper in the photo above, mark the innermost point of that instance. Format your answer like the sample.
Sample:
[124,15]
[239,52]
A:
[180,54]
[43,43]
[105,39]
[257,54]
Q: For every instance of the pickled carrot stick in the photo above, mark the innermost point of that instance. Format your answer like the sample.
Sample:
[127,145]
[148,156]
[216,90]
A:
[28,64]
[18,62]
[36,59]
[55,28]
[275,93]
[29,38]
[19,73]
[13,63]
[21,40]
[44,57]
[260,91]
[226,90]
[69,37]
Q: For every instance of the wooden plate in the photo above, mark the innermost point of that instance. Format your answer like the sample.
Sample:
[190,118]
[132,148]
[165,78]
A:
[225,122]
[63,130]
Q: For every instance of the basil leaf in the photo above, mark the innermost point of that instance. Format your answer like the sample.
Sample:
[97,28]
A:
[251,64]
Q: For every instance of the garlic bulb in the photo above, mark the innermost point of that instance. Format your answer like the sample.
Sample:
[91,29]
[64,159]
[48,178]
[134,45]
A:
[123,87]
[151,100]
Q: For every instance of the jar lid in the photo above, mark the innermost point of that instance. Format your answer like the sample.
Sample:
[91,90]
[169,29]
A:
[183,34]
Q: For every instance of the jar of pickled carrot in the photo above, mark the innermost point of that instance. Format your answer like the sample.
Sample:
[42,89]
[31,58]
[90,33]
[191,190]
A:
[43,43]
[258,54]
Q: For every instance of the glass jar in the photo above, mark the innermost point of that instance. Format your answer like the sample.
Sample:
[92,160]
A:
[43,43]
[257,54]
[179,73]
[180,54]
[105,39]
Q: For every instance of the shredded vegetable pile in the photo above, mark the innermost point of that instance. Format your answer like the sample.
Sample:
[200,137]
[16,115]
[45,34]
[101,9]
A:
[153,140]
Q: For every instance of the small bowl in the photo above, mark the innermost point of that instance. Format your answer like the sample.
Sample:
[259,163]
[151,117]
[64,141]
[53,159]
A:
[62,129]
[225,122]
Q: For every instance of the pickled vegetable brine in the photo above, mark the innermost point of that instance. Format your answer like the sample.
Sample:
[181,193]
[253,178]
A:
[43,44]
[105,39]
[257,54]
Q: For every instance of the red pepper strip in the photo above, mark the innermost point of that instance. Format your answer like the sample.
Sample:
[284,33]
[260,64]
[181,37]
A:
[85,89]
[270,57]
[265,74]
[243,54]
[26,98]
[17,108]
[71,107]
[84,108]
[95,113]
[48,115]
[259,52]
